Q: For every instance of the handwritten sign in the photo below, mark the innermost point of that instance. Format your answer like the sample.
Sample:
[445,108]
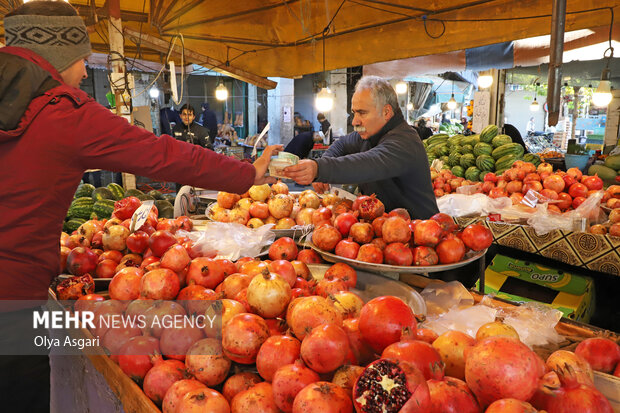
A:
[482,110]
[139,217]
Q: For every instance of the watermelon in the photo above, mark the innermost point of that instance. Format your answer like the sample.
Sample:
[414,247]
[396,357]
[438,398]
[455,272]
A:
[613,162]
[104,208]
[454,158]
[467,160]
[505,162]
[488,133]
[72,225]
[485,163]
[532,158]
[455,140]
[439,137]
[608,175]
[470,140]
[445,159]
[167,212]
[81,208]
[155,194]
[508,149]
[102,193]
[472,173]
[458,170]
[467,149]
[133,192]
[500,140]
[83,190]
[482,175]
[482,148]
[117,190]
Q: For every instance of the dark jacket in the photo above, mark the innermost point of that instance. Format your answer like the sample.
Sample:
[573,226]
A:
[301,145]
[195,134]
[209,121]
[391,164]
[50,134]
[424,132]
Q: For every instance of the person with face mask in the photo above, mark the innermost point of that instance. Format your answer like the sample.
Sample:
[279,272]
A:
[384,155]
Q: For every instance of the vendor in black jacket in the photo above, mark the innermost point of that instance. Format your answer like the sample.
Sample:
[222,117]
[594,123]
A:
[384,155]
[190,131]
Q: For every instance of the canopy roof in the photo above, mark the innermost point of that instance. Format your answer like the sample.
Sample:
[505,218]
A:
[284,38]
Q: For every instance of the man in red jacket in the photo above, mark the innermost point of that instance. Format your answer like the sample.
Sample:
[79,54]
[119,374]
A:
[50,133]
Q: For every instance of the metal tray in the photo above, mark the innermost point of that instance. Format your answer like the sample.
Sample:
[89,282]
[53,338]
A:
[371,285]
[470,257]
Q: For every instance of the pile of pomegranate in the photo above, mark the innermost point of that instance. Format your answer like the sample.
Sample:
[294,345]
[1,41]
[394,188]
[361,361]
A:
[368,234]
[264,204]
[290,342]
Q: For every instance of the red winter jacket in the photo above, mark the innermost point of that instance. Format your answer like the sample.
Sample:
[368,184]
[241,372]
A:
[50,133]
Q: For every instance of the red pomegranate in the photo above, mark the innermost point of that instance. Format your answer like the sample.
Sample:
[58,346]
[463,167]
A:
[370,253]
[451,395]
[206,272]
[239,382]
[126,284]
[427,233]
[175,258]
[370,208]
[283,249]
[325,348]
[243,336]
[344,221]
[361,232]
[288,381]
[276,352]
[450,250]
[322,397]
[159,379]
[390,385]
[206,362]
[160,284]
[308,256]
[203,400]
[363,353]
[160,241]
[477,237]
[424,256]
[258,398]
[326,237]
[137,356]
[510,406]
[445,221]
[397,253]
[347,248]
[420,354]
[342,271]
[175,342]
[377,225]
[82,261]
[306,313]
[382,320]
[602,353]
[177,391]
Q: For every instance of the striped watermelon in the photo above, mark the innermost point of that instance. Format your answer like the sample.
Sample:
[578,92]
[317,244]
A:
[83,190]
[472,173]
[467,160]
[458,170]
[485,163]
[104,208]
[488,133]
[117,190]
[500,140]
[482,148]
[81,208]
[505,162]
[532,158]
[454,158]
[467,149]
[508,149]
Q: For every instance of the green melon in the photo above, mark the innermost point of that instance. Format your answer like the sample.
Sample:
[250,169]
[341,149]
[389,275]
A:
[467,160]
[482,148]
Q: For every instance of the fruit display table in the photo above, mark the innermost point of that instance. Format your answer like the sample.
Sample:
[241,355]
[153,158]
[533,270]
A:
[580,249]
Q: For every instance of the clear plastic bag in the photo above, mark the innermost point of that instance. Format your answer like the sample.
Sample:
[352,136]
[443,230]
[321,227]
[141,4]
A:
[460,205]
[232,241]
[441,297]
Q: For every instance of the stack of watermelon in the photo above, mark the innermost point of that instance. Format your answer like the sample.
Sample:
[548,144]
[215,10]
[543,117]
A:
[98,203]
[471,157]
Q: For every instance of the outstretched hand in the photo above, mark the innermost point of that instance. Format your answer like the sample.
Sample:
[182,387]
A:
[303,173]
[262,163]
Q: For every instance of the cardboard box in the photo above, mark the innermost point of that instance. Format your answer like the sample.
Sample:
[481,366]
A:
[518,280]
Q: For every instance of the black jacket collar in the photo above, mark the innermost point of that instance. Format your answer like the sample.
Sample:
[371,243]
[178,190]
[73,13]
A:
[396,120]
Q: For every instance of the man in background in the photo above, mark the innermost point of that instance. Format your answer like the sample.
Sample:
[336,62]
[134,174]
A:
[190,131]
[209,121]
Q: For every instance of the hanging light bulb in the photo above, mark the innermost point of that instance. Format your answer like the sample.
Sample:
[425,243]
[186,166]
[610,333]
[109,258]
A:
[485,80]
[534,106]
[401,88]
[452,103]
[602,96]
[409,106]
[154,93]
[221,93]
[324,101]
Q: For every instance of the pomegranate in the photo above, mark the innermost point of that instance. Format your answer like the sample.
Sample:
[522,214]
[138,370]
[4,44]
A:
[346,376]
[322,397]
[573,396]
[285,270]
[593,182]
[361,232]
[175,258]
[445,221]
[175,341]
[377,225]
[304,216]
[379,243]
[554,182]
[115,338]
[259,210]
[426,334]
[494,329]
[206,272]
[477,237]
[258,398]
[75,287]
[177,391]
[424,256]
[283,249]
[137,356]
[342,271]
[227,200]
[501,367]
[382,320]
[326,288]
[280,206]
[160,284]
[451,347]
[427,233]
[81,261]
[239,382]
[361,350]
[276,352]
[344,221]
[370,253]
[450,250]
[326,237]
[321,215]
[260,192]
[451,395]
[347,248]
[309,256]
[419,353]
[301,269]
[114,237]
[578,190]
[391,386]
[205,361]
[601,353]
[325,348]
[268,294]
[243,336]
[160,241]
[126,284]
[159,379]
[154,316]
[289,380]
[105,268]
[579,366]
[203,400]
[398,253]
[137,242]
[510,406]
[88,302]
[306,313]
[309,199]
[370,208]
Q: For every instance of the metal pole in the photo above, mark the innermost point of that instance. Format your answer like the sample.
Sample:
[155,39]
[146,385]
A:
[554,84]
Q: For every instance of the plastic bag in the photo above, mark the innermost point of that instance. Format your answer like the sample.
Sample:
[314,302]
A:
[466,320]
[459,205]
[441,297]
[232,241]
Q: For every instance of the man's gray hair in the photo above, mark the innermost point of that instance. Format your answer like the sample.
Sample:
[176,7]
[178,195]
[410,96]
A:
[381,91]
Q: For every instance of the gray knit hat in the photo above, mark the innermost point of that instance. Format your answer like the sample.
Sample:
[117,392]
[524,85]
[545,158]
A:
[61,40]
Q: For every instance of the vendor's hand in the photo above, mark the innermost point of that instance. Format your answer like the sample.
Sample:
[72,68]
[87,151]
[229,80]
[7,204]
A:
[303,173]
[320,187]
[262,163]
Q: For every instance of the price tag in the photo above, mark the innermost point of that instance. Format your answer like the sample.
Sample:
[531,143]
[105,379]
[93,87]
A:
[139,217]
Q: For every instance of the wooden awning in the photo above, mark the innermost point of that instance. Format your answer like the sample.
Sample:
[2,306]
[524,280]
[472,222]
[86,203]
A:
[285,37]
